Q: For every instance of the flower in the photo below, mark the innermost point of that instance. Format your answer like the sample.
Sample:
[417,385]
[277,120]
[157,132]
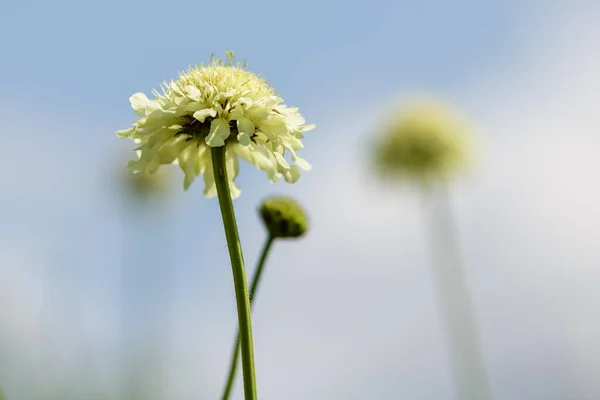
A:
[284,217]
[145,185]
[221,104]
[425,140]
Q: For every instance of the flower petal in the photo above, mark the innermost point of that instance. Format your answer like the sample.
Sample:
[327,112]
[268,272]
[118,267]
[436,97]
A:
[219,131]
[169,151]
[282,161]
[187,159]
[244,139]
[137,166]
[201,115]
[275,126]
[302,163]
[138,101]
[246,129]
[210,189]
[233,167]
[236,113]
[291,175]
[124,133]
[193,92]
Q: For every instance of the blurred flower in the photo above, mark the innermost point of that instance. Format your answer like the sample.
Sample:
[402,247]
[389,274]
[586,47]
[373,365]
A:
[425,140]
[145,185]
[216,105]
[284,217]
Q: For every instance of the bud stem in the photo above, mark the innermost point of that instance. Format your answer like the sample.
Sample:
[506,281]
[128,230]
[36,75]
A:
[239,274]
[253,288]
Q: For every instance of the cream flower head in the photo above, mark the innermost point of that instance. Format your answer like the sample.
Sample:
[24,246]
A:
[425,140]
[221,104]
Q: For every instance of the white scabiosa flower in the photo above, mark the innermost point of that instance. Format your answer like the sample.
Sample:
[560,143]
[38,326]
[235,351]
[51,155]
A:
[221,104]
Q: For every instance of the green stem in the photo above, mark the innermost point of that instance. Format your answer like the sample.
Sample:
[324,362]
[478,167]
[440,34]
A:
[456,304]
[239,274]
[253,288]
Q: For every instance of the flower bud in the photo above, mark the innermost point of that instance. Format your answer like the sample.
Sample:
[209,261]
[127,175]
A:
[283,217]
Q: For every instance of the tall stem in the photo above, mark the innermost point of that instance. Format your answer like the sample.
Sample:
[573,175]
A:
[456,305]
[239,274]
[236,344]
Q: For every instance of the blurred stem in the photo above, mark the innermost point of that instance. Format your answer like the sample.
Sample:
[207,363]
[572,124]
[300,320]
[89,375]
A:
[253,288]
[2,395]
[455,302]
[239,274]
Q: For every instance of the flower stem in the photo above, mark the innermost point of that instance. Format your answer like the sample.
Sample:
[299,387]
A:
[236,344]
[456,305]
[239,274]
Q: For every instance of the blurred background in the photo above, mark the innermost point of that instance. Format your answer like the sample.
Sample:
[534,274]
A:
[91,276]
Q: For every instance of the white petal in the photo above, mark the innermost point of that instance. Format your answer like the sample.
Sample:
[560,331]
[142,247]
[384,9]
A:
[203,153]
[169,151]
[276,126]
[235,190]
[138,101]
[219,131]
[153,165]
[193,92]
[210,190]
[245,101]
[282,161]
[201,115]
[187,159]
[191,107]
[153,107]
[137,166]
[236,113]
[257,113]
[246,129]
[124,133]
[291,175]
[293,117]
[244,139]
[233,166]
[302,163]
[246,125]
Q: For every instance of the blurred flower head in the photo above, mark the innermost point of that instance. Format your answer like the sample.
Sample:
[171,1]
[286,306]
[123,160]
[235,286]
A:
[425,140]
[145,185]
[284,217]
[220,104]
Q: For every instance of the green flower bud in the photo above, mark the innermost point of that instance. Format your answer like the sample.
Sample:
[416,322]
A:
[283,217]
[426,140]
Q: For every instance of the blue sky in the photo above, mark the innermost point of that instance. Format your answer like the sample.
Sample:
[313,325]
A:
[523,70]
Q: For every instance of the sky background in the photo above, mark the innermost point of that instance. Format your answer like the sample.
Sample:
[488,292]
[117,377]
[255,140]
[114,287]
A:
[348,312]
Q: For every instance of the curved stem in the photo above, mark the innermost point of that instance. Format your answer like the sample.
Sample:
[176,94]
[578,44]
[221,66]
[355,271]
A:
[259,268]
[253,288]
[239,273]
